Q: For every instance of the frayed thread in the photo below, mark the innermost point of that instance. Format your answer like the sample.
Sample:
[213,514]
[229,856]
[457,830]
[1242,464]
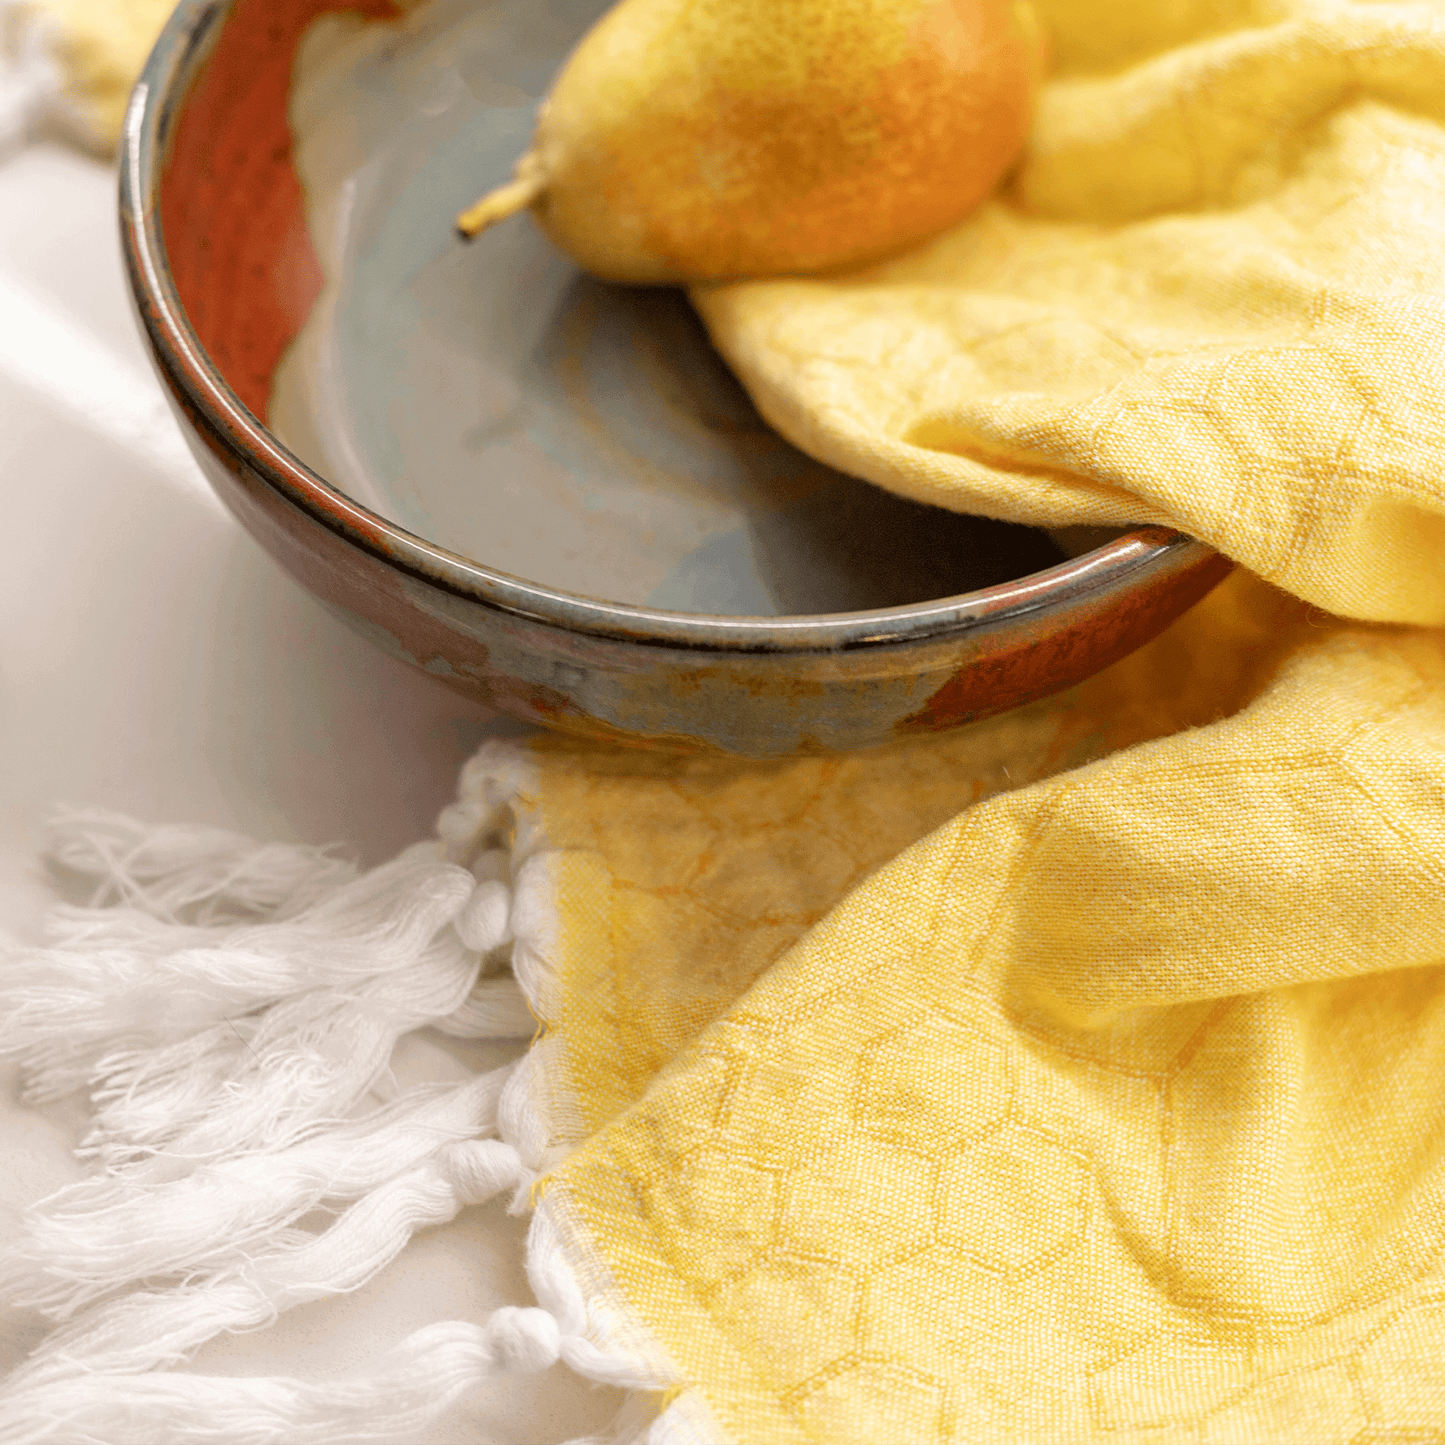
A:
[191,874]
[148,1329]
[421,1377]
[128,975]
[99,1232]
[231,1006]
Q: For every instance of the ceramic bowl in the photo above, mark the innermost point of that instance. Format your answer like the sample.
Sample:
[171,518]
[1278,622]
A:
[546,491]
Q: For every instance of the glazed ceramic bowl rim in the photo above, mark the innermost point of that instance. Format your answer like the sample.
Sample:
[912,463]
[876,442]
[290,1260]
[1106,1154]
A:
[153,106]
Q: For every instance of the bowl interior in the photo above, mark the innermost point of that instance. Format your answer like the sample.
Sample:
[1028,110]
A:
[489,397]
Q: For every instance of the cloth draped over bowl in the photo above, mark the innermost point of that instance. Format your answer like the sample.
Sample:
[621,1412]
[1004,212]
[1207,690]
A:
[1074,1077]
[1211,296]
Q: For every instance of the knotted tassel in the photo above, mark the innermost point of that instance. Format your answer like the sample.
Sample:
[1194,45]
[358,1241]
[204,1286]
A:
[232,1007]
[99,1234]
[159,1328]
[123,982]
[420,1378]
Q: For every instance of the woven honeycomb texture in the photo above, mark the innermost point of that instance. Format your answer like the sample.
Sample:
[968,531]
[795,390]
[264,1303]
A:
[1107,1111]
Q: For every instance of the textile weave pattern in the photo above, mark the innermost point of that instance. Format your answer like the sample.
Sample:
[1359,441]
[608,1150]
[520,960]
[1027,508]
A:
[1108,1111]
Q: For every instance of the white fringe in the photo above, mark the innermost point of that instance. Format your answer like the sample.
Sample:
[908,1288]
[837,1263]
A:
[232,1007]
[425,1374]
[146,1329]
[189,874]
[100,1230]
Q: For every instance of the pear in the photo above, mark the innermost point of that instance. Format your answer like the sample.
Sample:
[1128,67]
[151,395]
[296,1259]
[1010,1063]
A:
[700,140]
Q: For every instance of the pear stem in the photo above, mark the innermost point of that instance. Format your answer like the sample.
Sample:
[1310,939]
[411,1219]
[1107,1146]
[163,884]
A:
[497,205]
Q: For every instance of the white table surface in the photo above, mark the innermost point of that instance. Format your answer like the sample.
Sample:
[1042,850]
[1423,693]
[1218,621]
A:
[154,660]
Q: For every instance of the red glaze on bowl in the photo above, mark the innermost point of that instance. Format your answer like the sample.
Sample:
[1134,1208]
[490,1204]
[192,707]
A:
[240,255]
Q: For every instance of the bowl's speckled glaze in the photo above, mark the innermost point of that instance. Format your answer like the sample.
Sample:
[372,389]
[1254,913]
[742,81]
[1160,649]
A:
[225,276]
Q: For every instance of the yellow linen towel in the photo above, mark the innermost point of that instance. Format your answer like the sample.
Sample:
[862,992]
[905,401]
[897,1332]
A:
[1075,1077]
[1109,1111]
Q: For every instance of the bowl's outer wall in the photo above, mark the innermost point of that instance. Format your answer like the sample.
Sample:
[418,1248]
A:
[764,704]
[210,152]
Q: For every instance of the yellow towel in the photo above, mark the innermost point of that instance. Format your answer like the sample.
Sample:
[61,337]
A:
[1076,1077]
[1109,1110]
[1213,296]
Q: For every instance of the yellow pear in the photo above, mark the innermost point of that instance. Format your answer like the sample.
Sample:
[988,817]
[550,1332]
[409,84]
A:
[697,140]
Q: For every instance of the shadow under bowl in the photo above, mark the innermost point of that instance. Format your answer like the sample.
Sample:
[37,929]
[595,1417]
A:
[791,609]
